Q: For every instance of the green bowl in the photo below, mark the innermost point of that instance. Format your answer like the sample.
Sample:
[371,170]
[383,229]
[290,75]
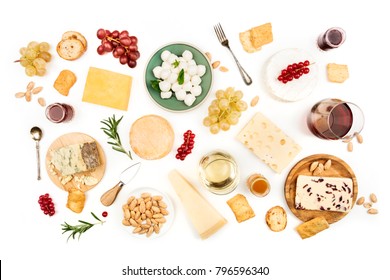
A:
[172,104]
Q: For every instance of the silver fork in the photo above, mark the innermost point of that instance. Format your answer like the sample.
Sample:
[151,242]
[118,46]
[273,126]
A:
[225,42]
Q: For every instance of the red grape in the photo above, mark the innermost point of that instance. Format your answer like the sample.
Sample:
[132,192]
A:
[121,44]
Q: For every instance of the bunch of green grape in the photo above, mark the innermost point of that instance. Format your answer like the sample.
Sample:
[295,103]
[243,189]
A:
[225,110]
[34,58]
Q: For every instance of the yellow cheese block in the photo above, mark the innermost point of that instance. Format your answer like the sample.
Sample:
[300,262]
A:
[268,142]
[107,88]
[204,217]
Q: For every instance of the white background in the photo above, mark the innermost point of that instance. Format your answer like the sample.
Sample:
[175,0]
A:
[31,244]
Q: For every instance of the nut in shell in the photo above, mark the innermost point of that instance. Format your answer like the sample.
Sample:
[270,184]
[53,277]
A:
[254,101]
[372,211]
[373,198]
[360,200]
[327,164]
[313,166]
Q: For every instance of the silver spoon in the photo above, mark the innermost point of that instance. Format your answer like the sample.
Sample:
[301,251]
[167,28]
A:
[36,134]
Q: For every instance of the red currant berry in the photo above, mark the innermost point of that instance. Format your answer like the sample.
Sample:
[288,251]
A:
[104,214]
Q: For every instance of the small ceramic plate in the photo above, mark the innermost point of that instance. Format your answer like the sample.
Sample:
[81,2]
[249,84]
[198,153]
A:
[172,104]
[169,217]
[296,89]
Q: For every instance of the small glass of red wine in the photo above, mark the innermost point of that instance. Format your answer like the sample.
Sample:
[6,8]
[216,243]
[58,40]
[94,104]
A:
[334,119]
[332,38]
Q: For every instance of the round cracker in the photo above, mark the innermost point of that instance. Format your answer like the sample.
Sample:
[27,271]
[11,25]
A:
[151,137]
[276,218]
[75,35]
[70,49]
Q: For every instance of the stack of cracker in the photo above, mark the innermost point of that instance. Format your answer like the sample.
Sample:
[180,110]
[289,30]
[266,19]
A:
[253,39]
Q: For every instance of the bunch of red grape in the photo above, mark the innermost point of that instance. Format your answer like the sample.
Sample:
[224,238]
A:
[186,148]
[121,44]
[294,71]
[47,205]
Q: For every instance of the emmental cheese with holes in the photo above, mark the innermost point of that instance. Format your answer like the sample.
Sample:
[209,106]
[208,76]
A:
[268,142]
[204,217]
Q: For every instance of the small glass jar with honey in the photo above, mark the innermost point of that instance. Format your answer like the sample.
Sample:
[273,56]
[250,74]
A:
[258,185]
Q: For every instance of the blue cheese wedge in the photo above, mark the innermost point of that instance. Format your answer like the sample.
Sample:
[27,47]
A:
[324,193]
[76,158]
[268,142]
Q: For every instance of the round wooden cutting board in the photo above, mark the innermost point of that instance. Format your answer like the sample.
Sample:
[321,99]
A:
[70,139]
[339,168]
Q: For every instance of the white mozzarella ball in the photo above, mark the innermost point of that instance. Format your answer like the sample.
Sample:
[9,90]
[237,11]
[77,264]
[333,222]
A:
[180,95]
[165,74]
[183,65]
[172,58]
[196,90]
[187,55]
[166,65]
[157,71]
[192,70]
[187,78]
[201,70]
[191,62]
[189,99]
[165,55]
[176,87]
[166,94]
[172,78]
[187,86]
[164,85]
[196,80]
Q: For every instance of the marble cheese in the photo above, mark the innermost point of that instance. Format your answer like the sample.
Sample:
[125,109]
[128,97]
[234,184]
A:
[268,142]
[324,193]
[76,158]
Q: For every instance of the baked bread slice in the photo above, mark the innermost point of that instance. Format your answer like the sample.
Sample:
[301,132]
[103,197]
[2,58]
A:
[70,49]
[241,208]
[245,39]
[337,73]
[75,35]
[276,218]
[65,80]
[312,227]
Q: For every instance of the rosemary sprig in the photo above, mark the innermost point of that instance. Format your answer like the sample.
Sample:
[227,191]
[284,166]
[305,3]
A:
[111,130]
[80,228]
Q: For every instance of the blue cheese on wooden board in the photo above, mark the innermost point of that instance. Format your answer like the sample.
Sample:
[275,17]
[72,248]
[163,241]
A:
[324,193]
[268,142]
[76,158]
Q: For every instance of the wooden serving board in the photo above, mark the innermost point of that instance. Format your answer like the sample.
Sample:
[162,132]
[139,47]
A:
[70,139]
[339,168]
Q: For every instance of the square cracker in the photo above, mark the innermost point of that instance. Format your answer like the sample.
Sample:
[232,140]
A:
[337,73]
[261,35]
[241,208]
[245,39]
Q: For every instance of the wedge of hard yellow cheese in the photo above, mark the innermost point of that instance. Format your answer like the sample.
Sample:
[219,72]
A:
[204,217]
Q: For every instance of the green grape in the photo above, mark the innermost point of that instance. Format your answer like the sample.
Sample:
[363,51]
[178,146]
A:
[214,129]
[213,110]
[30,70]
[45,55]
[207,121]
[39,63]
[44,47]
[214,103]
[232,119]
[24,61]
[33,45]
[223,104]
[224,125]
[22,51]
[41,72]
[213,119]
[229,92]
[238,94]
[31,53]
[220,94]
[241,105]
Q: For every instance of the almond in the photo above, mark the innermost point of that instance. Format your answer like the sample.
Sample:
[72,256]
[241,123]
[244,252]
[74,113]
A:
[360,201]
[327,164]
[36,90]
[208,55]
[313,166]
[30,86]
[215,64]
[367,205]
[254,101]
[20,94]
[223,69]
[373,198]
[359,138]
[28,96]
[372,211]
[350,146]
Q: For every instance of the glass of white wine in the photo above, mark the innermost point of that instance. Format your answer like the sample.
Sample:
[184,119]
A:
[218,172]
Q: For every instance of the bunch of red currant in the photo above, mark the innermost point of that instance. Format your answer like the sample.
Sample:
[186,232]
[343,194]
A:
[47,205]
[294,71]
[186,148]
[121,44]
